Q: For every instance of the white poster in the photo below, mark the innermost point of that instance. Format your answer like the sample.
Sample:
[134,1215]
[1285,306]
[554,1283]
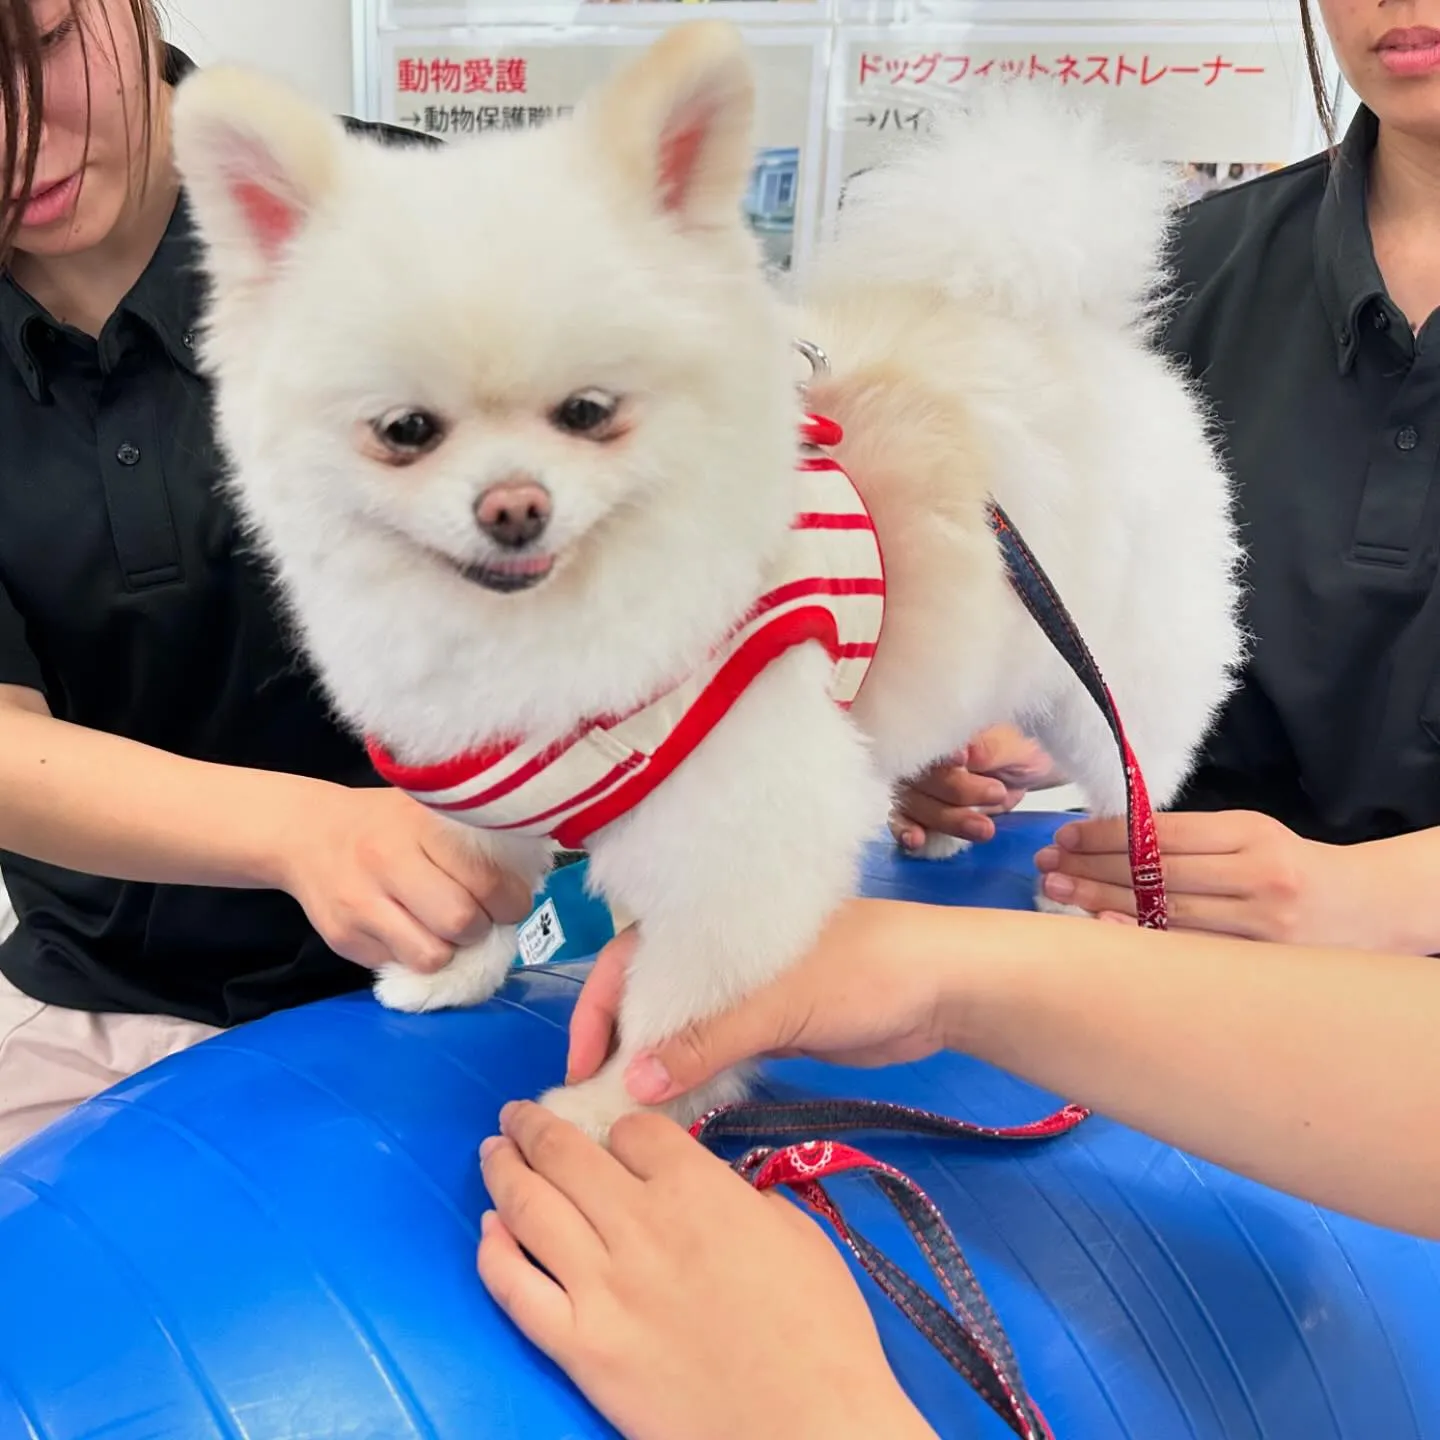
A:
[1223,104]
[490,79]
[1217,88]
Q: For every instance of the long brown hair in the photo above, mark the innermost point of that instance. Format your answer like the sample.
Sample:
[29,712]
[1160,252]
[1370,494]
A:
[22,95]
[1319,86]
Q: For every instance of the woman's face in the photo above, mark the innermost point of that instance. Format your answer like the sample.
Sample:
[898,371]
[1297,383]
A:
[92,140]
[1389,53]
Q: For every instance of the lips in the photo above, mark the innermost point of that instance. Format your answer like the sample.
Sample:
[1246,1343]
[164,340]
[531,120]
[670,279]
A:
[1414,50]
[50,203]
[511,574]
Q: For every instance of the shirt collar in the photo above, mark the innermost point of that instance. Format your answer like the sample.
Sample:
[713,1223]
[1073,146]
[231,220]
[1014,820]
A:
[166,298]
[1345,270]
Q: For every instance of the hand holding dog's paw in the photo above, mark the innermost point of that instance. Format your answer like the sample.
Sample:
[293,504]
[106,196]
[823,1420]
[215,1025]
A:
[939,846]
[595,1105]
[387,882]
[474,974]
[953,801]
[654,1254]
[592,1107]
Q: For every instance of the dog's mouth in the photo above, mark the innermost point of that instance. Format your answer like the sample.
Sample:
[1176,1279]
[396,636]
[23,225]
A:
[510,574]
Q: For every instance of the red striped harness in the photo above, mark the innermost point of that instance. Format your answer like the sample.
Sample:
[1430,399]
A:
[828,587]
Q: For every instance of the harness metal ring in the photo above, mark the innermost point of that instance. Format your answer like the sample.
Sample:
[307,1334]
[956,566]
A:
[819,360]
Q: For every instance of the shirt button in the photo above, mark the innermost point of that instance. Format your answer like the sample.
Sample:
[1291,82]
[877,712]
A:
[128,454]
[188,339]
[1382,318]
[1407,439]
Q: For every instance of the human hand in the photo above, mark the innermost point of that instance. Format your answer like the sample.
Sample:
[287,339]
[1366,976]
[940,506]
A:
[869,993]
[593,1020]
[384,880]
[958,796]
[1231,872]
[665,1289]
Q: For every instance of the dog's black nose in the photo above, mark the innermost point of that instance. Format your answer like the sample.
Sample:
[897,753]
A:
[515,514]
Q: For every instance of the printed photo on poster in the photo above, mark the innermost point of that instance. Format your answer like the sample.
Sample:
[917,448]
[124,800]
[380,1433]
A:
[516,80]
[1200,177]
[1241,97]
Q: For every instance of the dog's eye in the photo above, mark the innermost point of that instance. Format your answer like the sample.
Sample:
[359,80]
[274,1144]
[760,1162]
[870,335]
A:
[587,413]
[408,433]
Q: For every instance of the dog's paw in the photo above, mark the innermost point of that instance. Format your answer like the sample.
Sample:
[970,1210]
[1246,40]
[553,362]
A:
[939,847]
[595,1105]
[1047,906]
[474,975]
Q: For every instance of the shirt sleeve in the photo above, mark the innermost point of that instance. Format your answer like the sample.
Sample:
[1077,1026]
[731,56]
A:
[18,665]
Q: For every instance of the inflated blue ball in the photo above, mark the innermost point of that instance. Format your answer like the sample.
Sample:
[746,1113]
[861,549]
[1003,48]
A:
[271,1237]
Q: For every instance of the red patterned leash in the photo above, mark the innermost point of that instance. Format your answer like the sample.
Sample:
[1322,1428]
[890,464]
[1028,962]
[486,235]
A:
[1039,597]
[969,1335]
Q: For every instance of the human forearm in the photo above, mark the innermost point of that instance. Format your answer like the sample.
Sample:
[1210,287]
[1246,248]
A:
[1399,883]
[1304,1068]
[103,805]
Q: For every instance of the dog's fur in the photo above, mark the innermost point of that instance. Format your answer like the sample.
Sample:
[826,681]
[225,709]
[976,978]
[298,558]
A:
[987,306]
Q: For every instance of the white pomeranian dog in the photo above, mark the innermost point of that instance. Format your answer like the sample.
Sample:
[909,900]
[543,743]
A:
[518,423]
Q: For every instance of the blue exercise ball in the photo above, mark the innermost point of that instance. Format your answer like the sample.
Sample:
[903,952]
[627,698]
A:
[271,1237]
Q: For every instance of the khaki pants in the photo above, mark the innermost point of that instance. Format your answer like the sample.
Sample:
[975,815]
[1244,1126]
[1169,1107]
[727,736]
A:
[52,1059]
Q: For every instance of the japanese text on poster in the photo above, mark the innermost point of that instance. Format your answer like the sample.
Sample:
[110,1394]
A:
[518,80]
[1231,103]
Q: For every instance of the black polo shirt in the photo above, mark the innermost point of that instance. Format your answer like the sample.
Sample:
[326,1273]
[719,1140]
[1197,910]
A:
[1329,411]
[129,599]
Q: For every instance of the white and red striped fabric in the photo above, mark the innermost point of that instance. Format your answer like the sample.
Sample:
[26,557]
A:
[828,588]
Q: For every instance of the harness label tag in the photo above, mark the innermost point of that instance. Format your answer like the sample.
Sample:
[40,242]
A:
[541,936]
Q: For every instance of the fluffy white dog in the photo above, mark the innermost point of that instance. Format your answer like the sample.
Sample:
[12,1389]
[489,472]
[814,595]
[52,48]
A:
[517,422]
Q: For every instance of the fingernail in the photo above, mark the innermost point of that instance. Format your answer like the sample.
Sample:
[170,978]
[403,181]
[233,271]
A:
[507,1112]
[487,1147]
[647,1079]
[1065,836]
[487,1222]
[1048,858]
[1059,887]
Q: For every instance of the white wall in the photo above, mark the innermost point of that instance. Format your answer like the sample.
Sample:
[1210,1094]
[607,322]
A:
[306,42]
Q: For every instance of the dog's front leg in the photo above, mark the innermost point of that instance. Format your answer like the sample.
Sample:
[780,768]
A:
[733,867]
[476,971]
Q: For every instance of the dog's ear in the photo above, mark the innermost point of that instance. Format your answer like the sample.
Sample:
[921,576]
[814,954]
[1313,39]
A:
[255,160]
[676,124]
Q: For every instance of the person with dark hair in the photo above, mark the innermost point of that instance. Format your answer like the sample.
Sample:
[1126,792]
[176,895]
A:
[1304,310]
[189,839]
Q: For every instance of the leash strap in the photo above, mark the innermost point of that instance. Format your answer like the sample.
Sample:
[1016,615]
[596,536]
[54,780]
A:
[1039,597]
[968,1335]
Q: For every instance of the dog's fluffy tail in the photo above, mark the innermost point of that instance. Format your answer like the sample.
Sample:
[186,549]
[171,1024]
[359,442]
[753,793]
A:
[1019,201]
